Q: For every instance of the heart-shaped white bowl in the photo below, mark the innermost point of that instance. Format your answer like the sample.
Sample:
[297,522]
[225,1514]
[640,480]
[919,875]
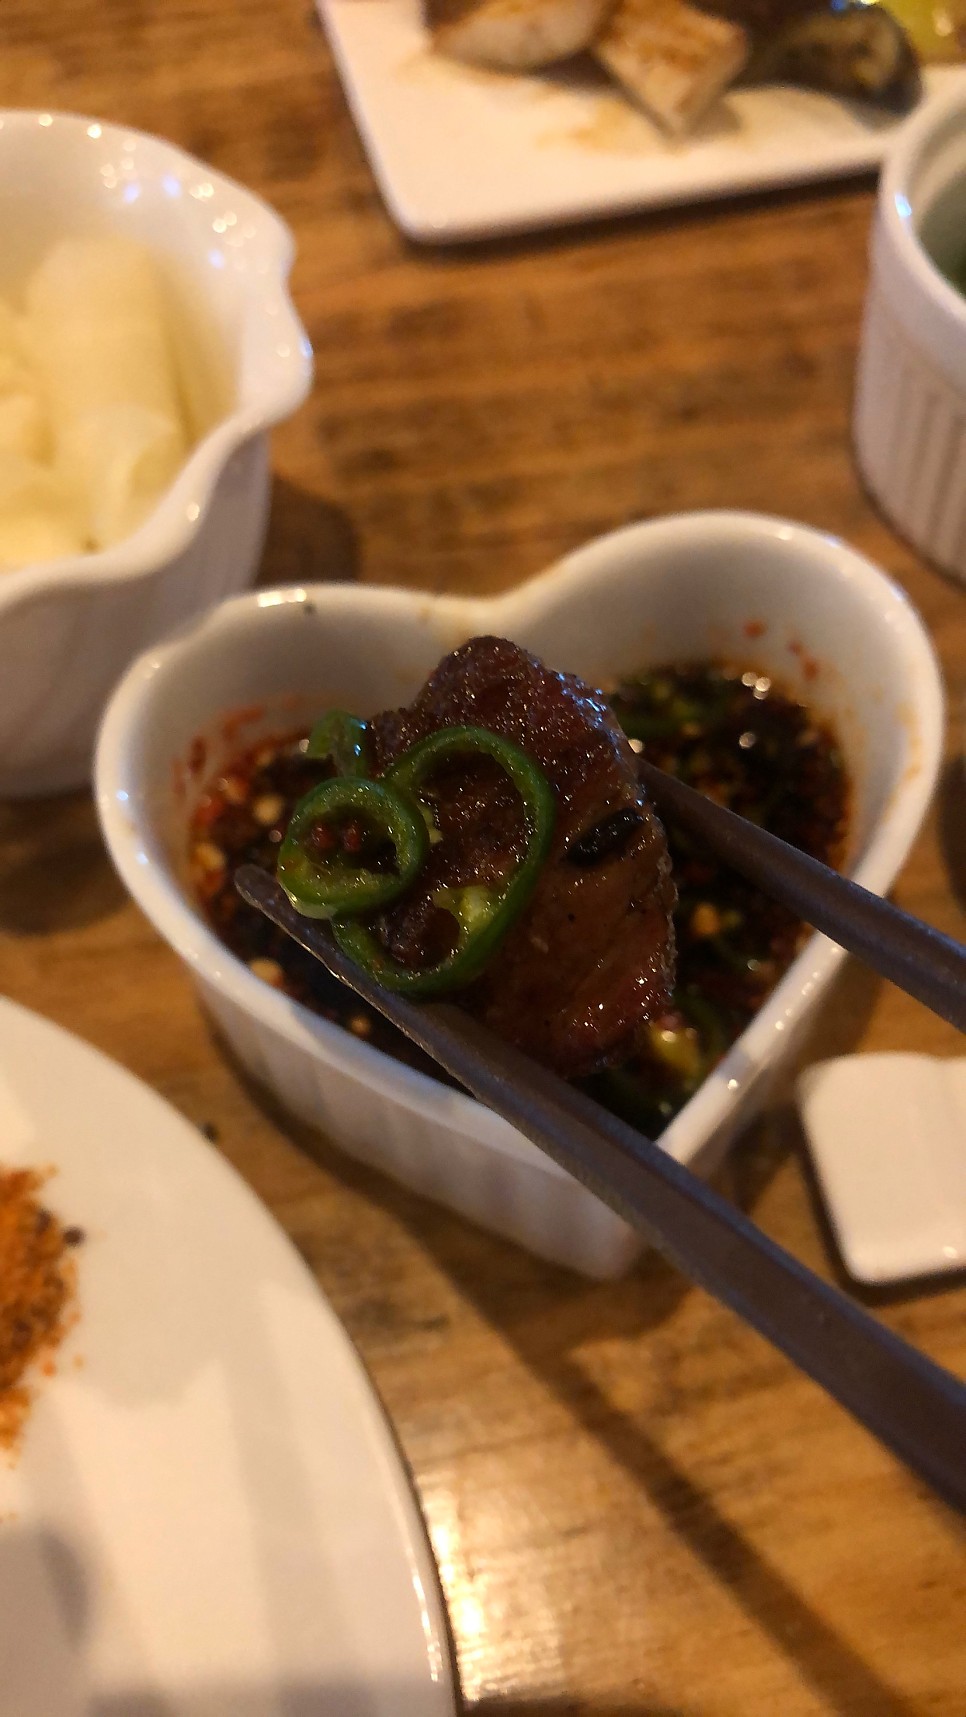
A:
[786,600]
[68,628]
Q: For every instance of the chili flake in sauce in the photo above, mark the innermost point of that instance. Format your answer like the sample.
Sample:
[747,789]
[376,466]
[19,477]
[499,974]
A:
[36,1286]
[735,736]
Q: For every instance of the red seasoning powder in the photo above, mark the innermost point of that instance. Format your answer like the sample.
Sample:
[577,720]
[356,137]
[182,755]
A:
[37,1282]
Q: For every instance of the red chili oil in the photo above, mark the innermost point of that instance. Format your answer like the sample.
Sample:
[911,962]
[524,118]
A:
[729,732]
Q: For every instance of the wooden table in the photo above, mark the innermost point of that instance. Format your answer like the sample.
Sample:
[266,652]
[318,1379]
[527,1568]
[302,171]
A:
[638,1509]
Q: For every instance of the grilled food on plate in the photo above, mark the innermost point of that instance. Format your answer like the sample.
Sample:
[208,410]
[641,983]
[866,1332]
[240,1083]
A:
[674,59]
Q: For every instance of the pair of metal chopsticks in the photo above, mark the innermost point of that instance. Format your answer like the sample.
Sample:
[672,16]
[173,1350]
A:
[914,1407]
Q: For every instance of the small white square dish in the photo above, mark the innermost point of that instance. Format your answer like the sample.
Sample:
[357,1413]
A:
[887,1135]
[774,596]
[68,627]
[460,153]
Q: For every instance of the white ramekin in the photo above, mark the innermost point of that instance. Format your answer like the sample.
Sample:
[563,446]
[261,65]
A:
[802,606]
[69,628]
[910,398]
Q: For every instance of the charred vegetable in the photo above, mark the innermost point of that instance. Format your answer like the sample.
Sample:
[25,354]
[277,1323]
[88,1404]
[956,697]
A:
[341,738]
[599,903]
[855,50]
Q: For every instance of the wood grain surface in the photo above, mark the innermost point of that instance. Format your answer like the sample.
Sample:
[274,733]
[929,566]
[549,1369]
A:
[638,1509]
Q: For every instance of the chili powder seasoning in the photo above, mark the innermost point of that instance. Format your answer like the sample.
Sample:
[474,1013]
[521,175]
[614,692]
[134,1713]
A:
[36,1287]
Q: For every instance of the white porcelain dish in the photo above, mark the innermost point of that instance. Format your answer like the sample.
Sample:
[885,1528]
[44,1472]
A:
[460,153]
[910,397]
[69,628]
[797,604]
[208,1516]
[886,1137]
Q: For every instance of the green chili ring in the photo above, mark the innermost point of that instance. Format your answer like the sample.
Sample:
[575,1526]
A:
[321,887]
[483,915]
[344,738]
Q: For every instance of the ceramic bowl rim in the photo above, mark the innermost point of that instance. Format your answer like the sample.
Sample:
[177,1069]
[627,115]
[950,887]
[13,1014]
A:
[896,207]
[181,513]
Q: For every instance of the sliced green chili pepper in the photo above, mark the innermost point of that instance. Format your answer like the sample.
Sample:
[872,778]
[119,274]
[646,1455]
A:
[344,738]
[483,915]
[321,862]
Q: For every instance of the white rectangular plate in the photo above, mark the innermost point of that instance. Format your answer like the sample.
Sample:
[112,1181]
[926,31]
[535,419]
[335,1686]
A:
[460,153]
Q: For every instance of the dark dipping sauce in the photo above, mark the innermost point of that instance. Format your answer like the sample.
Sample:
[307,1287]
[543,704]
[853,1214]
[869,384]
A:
[730,733]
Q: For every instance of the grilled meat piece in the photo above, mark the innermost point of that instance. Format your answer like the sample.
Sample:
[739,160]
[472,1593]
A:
[592,957]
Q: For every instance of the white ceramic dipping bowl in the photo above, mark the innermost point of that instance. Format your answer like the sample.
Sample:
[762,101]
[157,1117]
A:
[788,601]
[68,628]
[910,396]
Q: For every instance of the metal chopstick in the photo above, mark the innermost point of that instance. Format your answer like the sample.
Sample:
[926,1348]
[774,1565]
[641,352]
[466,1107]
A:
[913,1406]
